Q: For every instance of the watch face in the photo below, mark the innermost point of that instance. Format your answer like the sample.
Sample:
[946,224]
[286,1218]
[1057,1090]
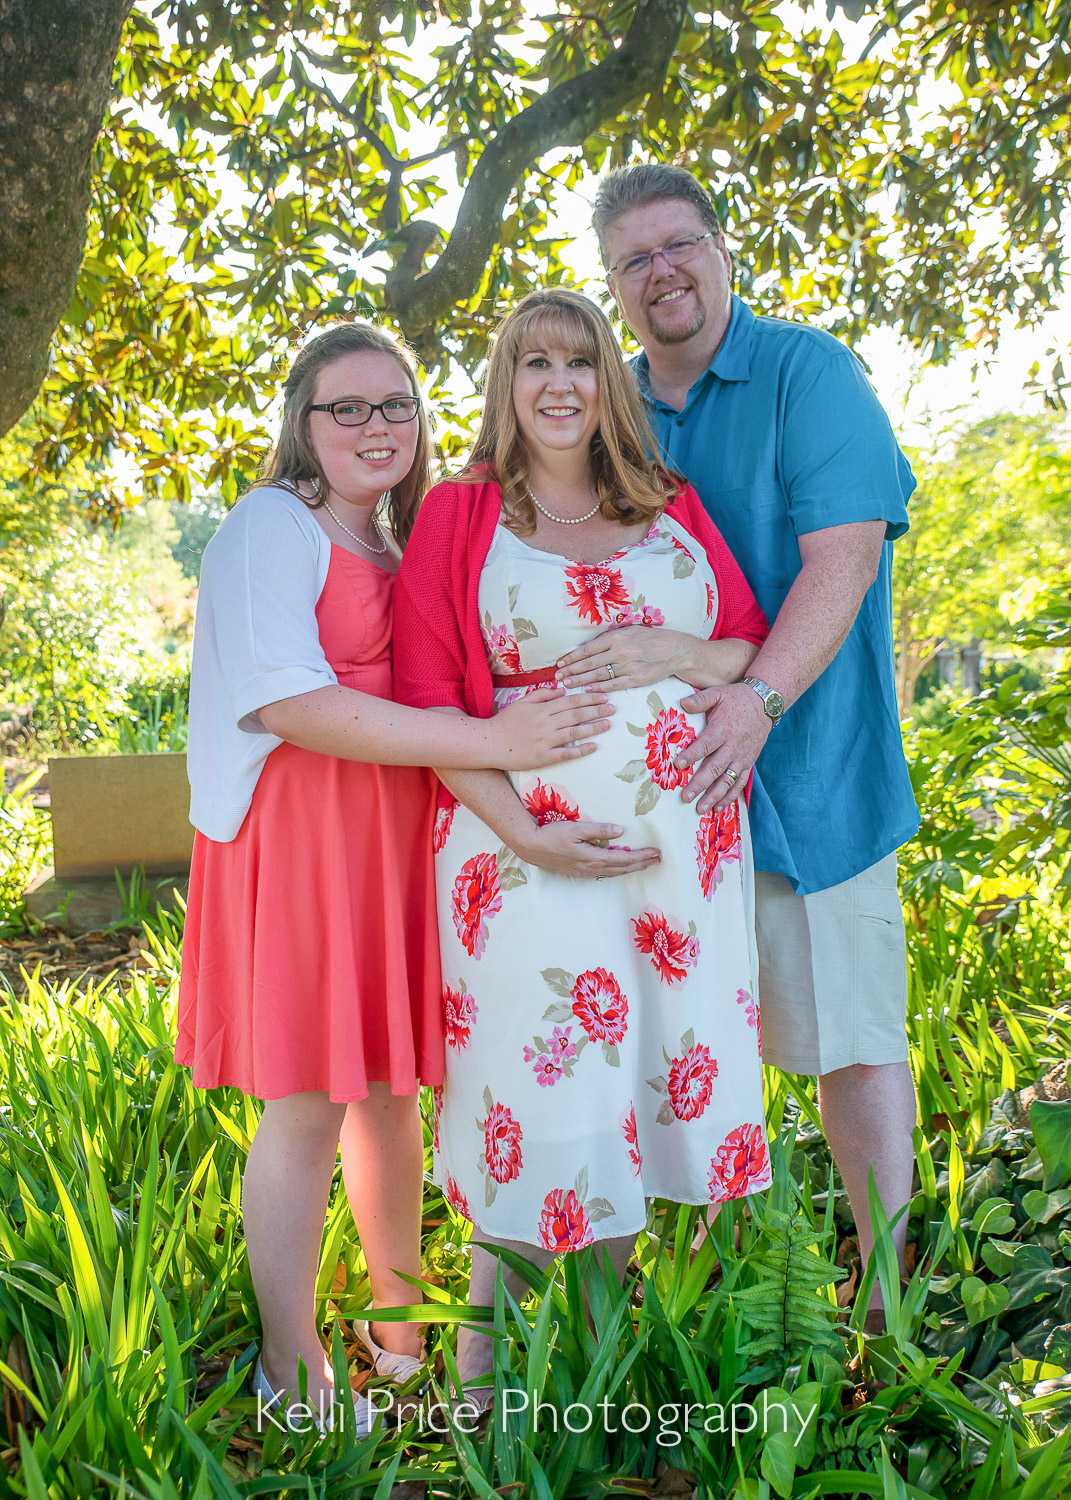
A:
[775,705]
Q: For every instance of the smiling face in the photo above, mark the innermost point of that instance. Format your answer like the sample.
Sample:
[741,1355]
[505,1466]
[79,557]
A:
[670,304]
[556,398]
[362,462]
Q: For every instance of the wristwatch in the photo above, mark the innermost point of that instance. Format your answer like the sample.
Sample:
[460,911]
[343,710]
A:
[772,701]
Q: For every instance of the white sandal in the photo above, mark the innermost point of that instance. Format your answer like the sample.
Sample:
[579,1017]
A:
[397,1368]
[368,1416]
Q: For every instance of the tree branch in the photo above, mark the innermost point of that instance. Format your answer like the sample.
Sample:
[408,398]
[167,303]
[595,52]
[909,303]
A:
[564,116]
[56,62]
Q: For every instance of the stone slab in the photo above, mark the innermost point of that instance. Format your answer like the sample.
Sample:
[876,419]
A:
[92,902]
[119,812]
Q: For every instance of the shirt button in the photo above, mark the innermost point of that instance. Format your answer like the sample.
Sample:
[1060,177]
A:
[680,421]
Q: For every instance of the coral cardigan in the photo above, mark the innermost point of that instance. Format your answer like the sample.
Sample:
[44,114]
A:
[439,654]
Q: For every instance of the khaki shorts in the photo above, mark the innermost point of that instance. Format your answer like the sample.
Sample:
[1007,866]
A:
[832,972]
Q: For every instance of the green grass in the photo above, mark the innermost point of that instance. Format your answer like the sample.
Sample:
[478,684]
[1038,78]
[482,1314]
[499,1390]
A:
[127,1318]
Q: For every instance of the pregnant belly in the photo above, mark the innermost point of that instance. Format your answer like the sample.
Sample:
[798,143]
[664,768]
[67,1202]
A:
[631,779]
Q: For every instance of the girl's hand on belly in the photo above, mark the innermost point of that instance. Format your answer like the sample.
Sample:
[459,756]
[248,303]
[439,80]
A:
[576,849]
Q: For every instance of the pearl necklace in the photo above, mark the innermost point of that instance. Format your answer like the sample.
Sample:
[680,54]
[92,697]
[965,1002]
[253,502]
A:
[378,551]
[563,520]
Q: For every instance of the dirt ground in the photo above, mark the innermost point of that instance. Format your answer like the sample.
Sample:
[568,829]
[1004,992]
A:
[61,958]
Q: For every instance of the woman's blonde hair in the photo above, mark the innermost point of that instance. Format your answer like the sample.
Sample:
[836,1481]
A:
[292,461]
[630,485]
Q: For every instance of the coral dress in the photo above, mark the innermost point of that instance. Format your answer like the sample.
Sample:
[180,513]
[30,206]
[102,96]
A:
[602,1037]
[310,959]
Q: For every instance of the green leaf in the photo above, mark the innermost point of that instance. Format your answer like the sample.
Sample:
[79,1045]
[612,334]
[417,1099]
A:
[982,1300]
[1050,1120]
[777,1462]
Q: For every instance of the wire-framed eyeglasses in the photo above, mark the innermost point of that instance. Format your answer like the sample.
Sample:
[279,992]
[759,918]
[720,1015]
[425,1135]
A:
[356,413]
[676,253]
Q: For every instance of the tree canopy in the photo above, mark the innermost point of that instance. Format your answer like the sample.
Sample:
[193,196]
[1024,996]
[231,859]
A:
[266,166]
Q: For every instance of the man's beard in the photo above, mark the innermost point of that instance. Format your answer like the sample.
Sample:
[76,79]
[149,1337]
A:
[678,335]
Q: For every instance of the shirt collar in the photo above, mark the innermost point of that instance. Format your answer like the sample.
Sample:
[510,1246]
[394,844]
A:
[732,361]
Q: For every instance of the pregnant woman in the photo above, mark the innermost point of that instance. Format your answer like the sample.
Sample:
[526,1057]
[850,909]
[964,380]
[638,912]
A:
[602,1039]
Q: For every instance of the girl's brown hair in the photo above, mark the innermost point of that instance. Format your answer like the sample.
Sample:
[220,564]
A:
[292,462]
[630,485]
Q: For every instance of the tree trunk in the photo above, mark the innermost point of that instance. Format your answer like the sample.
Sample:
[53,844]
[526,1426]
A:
[56,63]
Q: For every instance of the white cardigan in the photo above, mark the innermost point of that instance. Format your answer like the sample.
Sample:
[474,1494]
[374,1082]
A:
[255,641]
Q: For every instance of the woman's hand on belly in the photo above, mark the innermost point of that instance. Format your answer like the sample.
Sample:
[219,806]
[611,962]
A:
[577,849]
[627,656]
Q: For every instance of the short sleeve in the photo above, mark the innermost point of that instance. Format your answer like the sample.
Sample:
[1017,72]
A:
[839,458]
[261,578]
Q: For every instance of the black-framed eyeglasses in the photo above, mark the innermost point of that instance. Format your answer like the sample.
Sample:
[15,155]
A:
[357,413]
[676,253]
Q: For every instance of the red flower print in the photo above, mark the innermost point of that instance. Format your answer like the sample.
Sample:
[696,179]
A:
[717,843]
[503,649]
[597,593]
[456,1198]
[477,896]
[547,1070]
[740,1165]
[691,1082]
[459,1012]
[563,1224]
[712,602]
[502,1143]
[437,1109]
[549,804]
[444,817]
[600,1006]
[627,1123]
[672,952]
[668,735]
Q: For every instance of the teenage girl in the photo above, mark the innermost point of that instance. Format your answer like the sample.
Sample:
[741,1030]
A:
[310,973]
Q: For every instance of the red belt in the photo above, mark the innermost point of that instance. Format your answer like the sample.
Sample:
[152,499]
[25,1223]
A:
[544,675]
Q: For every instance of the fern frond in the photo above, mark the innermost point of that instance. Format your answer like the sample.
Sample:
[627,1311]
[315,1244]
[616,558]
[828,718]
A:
[784,1310]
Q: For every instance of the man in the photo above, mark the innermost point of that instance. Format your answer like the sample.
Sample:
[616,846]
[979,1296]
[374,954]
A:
[776,426]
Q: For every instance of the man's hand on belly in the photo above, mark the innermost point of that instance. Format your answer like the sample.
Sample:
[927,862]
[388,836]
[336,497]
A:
[736,730]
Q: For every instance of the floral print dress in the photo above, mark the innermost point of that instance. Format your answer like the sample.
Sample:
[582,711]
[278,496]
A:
[602,1037]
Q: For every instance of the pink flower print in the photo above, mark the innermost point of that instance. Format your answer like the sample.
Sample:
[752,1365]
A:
[560,1045]
[599,1004]
[549,804]
[691,1082]
[596,592]
[672,952]
[477,896]
[751,1010]
[529,1054]
[456,1198]
[459,1012]
[666,737]
[741,1165]
[563,1224]
[444,817]
[717,844]
[502,1143]
[712,603]
[627,1123]
[503,650]
[547,1070]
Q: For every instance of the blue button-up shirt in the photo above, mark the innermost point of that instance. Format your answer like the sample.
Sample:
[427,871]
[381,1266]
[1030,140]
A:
[781,435]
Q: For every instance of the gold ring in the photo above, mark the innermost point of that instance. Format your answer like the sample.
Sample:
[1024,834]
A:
[610,670]
[730,775]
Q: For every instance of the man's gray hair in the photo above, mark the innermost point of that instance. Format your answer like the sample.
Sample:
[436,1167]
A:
[648,182]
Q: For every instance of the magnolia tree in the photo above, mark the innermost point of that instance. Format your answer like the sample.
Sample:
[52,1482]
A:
[261,167]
